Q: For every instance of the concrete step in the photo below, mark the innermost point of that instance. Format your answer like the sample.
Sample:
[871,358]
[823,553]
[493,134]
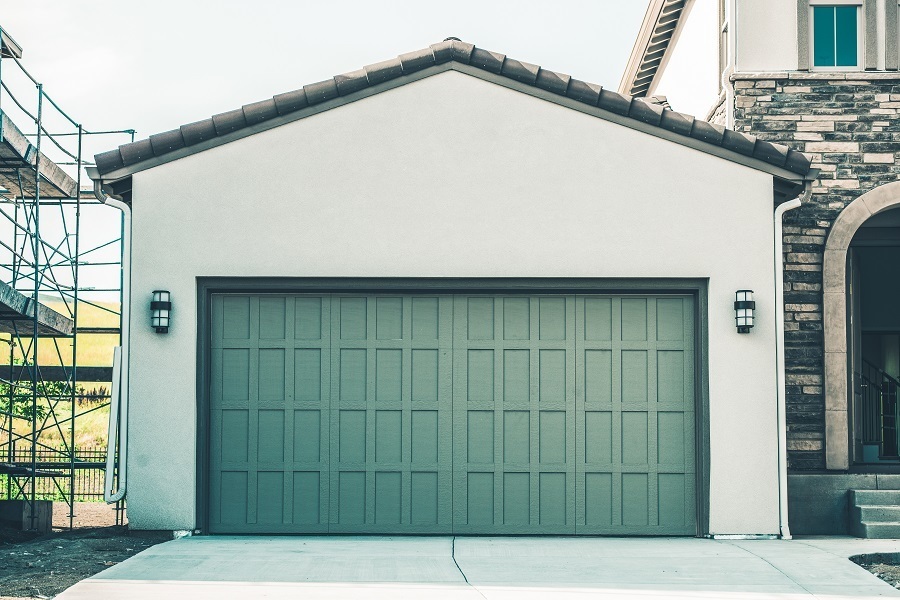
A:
[875,514]
[874,497]
[880,531]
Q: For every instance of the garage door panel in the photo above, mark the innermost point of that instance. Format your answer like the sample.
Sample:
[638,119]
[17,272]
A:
[307,384]
[235,320]
[391,430]
[311,319]
[514,427]
[635,416]
[257,417]
[388,413]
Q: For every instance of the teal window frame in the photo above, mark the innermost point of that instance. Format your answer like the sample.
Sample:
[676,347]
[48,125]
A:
[836,36]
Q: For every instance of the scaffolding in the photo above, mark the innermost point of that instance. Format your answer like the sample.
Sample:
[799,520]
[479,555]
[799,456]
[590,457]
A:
[60,286]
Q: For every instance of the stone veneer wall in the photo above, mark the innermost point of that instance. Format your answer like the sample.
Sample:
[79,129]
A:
[849,125]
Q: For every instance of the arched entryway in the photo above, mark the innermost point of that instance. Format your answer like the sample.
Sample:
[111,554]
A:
[843,342]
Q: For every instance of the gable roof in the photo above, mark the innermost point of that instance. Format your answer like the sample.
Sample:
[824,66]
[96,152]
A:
[450,54]
[657,30]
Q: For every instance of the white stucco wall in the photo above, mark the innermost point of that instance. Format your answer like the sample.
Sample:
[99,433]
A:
[452,176]
[689,76]
[766,35]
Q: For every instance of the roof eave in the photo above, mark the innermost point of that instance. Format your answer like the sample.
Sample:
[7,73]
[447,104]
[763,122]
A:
[660,33]
[781,173]
[651,16]
[220,140]
[452,54]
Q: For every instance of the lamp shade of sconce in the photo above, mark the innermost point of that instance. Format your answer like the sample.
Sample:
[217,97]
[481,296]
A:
[744,307]
[161,311]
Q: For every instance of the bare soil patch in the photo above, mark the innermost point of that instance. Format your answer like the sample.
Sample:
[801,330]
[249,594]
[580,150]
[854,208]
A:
[884,566]
[87,514]
[41,566]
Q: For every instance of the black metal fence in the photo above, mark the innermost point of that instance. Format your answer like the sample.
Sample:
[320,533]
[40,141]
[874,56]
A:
[88,479]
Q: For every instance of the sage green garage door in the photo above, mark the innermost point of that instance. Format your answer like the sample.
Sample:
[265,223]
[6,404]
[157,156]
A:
[558,414]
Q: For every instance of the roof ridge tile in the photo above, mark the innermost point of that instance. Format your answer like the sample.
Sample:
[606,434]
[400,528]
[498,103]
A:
[584,92]
[289,102]
[677,122]
[321,91]
[775,154]
[384,71]
[136,151]
[487,60]
[347,83]
[738,142]
[708,132]
[520,71]
[257,112]
[166,141]
[646,111]
[614,102]
[417,60]
[229,121]
[443,51]
[462,51]
[558,83]
[198,131]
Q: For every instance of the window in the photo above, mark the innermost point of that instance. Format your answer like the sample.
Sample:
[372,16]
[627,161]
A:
[835,36]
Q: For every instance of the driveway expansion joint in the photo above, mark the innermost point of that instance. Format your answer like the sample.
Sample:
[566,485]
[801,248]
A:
[458,568]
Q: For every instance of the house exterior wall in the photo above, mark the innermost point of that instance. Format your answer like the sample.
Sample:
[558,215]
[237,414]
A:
[452,176]
[765,35]
[847,124]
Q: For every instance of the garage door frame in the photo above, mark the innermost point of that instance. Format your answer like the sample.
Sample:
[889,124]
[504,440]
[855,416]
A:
[207,286]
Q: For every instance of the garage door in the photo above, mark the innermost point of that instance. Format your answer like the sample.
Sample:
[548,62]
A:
[482,414]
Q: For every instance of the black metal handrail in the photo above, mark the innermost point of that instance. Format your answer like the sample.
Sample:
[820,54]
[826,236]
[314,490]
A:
[877,414]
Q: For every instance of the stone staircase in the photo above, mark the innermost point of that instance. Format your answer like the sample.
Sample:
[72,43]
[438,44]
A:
[875,513]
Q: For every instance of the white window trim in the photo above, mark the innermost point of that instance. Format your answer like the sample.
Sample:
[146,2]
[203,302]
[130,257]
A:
[835,3]
[860,36]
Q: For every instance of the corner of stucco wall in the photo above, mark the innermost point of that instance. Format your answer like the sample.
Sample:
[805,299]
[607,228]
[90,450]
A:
[162,441]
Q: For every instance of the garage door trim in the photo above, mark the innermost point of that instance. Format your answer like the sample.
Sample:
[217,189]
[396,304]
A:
[207,286]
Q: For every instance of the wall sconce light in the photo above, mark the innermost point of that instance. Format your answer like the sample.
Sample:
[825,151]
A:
[160,310]
[743,310]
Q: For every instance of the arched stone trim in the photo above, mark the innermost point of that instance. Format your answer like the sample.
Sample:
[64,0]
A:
[834,288]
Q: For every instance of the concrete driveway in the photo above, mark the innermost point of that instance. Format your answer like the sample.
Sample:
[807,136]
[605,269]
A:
[490,568]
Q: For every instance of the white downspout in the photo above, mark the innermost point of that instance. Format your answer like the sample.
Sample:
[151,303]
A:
[779,353]
[109,494]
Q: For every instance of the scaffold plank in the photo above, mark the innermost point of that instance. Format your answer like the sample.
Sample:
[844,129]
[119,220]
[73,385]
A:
[8,46]
[17,314]
[18,159]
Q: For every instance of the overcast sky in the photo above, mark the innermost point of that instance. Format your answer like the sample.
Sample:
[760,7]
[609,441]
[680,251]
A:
[153,65]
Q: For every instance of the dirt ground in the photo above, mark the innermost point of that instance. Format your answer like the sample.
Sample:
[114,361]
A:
[889,573]
[883,566]
[41,566]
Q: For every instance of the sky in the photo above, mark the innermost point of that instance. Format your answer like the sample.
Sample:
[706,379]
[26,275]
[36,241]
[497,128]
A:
[153,65]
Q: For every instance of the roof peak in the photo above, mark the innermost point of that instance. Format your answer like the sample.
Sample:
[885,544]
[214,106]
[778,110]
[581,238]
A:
[194,137]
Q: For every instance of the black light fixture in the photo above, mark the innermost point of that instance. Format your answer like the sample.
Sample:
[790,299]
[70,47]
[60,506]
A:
[160,310]
[743,310]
